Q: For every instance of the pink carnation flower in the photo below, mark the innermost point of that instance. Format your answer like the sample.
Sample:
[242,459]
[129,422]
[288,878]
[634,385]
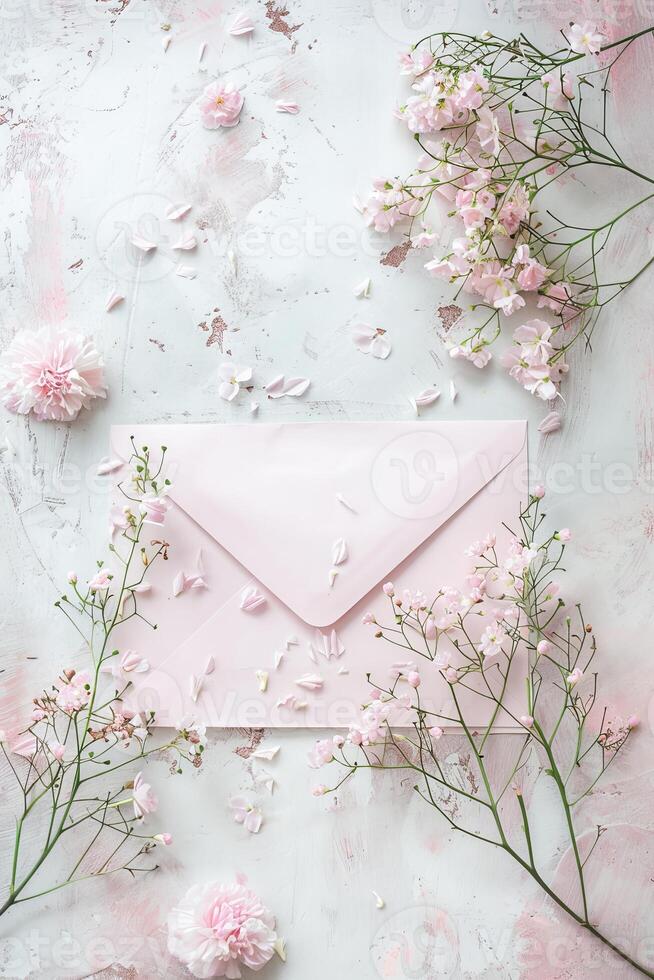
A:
[52,373]
[216,929]
[221,105]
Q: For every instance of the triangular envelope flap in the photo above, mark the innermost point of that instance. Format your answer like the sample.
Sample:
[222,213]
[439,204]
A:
[321,512]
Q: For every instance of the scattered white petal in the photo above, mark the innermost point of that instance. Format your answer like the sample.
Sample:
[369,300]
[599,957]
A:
[186,243]
[329,647]
[291,107]
[295,387]
[339,551]
[279,656]
[210,667]
[231,258]
[141,587]
[312,682]
[165,42]
[551,423]
[107,465]
[246,813]
[176,211]
[379,901]
[425,398]
[292,641]
[275,388]
[203,48]
[254,408]
[267,753]
[341,499]
[453,392]
[195,582]
[262,679]
[342,670]
[333,575]
[142,243]
[195,686]
[371,340]
[199,562]
[251,599]
[178,583]
[113,299]
[242,24]
[356,202]
[292,702]
[280,948]
[362,291]
[186,272]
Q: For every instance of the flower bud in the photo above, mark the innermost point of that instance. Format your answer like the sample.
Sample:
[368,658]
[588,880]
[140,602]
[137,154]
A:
[388,589]
[544,648]
[633,722]
[564,535]
[72,578]
[413,678]
[165,839]
[538,491]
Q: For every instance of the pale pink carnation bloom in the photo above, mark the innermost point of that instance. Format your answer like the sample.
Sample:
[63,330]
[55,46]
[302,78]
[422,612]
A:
[585,38]
[154,509]
[52,373]
[220,105]
[217,929]
[143,799]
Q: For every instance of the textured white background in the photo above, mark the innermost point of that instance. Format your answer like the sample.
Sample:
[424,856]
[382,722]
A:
[100,133]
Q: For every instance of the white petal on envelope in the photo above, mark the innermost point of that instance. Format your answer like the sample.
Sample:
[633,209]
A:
[266,754]
[179,583]
[199,562]
[262,679]
[278,657]
[242,24]
[312,682]
[143,244]
[186,272]
[141,587]
[453,392]
[342,670]
[176,211]
[113,299]
[186,243]
[251,599]
[291,107]
[339,551]
[333,575]
[330,647]
[342,500]
[210,667]
[292,702]
[108,465]
[195,686]
[362,290]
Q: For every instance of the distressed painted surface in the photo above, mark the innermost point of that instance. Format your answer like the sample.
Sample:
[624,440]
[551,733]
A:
[98,134]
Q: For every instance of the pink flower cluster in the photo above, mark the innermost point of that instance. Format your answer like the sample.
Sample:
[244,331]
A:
[533,361]
[74,695]
[388,203]
[442,99]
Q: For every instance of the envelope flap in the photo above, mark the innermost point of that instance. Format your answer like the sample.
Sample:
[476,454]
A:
[321,512]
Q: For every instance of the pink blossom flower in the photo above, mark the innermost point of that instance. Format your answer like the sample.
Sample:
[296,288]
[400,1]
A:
[233,376]
[585,38]
[72,578]
[488,131]
[101,580]
[543,648]
[388,203]
[514,210]
[526,720]
[128,662]
[415,62]
[431,630]
[143,799]
[368,619]
[388,589]
[633,722]
[321,754]
[557,298]
[539,491]
[560,88]
[413,678]
[565,535]
[476,352]
[436,732]
[372,726]
[154,509]
[118,519]
[490,644]
[246,813]
[58,750]
[51,373]
[217,929]
[220,105]
[371,340]
[74,695]
[532,275]
[574,678]
[165,839]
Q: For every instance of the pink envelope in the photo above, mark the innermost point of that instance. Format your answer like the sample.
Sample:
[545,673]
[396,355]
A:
[277,509]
